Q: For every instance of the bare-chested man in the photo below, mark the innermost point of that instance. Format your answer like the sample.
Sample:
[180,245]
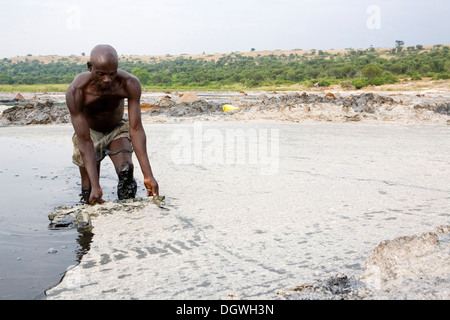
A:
[96,103]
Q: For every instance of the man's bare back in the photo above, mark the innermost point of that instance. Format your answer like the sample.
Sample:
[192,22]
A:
[96,102]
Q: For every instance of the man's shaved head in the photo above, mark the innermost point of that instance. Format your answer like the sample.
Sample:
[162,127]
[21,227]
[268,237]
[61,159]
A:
[103,54]
[103,65]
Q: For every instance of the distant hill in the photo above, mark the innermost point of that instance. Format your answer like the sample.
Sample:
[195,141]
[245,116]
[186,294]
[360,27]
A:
[206,56]
[349,68]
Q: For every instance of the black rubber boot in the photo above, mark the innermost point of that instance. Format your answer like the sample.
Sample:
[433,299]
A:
[127,187]
[85,194]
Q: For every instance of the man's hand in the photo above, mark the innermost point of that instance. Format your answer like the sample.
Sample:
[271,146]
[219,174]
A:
[152,187]
[96,196]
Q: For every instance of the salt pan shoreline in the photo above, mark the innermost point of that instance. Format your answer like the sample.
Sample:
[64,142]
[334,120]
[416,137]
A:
[160,107]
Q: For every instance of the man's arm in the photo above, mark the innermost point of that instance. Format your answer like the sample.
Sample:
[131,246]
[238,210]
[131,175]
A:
[138,137]
[74,100]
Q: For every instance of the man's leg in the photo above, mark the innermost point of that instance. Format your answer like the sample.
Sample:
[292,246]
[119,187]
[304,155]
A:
[123,163]
[86,184]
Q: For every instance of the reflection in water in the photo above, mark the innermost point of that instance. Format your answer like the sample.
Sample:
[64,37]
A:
[84,240]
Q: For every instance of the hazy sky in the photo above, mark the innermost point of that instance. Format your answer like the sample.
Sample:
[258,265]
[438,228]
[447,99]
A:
[64,27]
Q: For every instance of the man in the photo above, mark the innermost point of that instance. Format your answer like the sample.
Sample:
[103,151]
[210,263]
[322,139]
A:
[96,103]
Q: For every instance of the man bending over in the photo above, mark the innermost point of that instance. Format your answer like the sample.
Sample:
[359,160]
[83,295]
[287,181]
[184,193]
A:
[96,103]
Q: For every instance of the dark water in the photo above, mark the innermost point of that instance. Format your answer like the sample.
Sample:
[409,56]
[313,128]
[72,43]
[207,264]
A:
[35,177]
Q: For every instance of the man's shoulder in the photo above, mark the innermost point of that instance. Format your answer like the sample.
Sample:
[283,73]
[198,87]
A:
[80,82]
[130,81]
[128,77]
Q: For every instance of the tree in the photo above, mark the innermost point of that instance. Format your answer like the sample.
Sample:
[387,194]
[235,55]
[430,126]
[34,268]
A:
[396,68]
[398,45]
[142,75]
[371,71]
[5,79]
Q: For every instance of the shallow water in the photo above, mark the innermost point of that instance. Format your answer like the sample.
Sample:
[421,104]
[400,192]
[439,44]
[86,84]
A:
[31,253]
[36,175]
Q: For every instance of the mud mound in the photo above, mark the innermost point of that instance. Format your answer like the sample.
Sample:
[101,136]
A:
[443,108]
[411,267]
[187,97]
[80,216]
[292,106]
[366,106]
[35,112]
[364,102]
[337,287]
[304,107]
[190,109]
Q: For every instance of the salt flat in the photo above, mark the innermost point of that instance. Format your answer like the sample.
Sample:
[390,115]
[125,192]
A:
[313,200]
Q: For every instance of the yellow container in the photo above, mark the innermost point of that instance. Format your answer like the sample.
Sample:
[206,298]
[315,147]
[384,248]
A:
[229,107]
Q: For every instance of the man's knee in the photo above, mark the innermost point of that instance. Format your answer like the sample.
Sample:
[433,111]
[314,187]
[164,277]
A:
[125,170]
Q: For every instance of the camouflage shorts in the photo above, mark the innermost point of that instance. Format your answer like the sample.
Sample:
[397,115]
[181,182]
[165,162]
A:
[101,142]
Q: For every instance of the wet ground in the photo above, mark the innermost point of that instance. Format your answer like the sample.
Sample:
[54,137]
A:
[289,204]
[300,202]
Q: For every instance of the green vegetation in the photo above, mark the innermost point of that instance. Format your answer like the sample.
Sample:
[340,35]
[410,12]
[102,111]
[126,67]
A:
[349,68]
[33,87]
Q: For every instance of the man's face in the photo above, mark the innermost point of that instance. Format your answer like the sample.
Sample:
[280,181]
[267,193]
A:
[103,74]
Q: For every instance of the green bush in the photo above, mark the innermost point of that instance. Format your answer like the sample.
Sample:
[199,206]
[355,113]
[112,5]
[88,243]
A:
[371,71]
[442,76]
[360,83]
[142,75]
[378,81]
[5,79]
[324,83]
[389,78]
[346,84]
[396,68]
